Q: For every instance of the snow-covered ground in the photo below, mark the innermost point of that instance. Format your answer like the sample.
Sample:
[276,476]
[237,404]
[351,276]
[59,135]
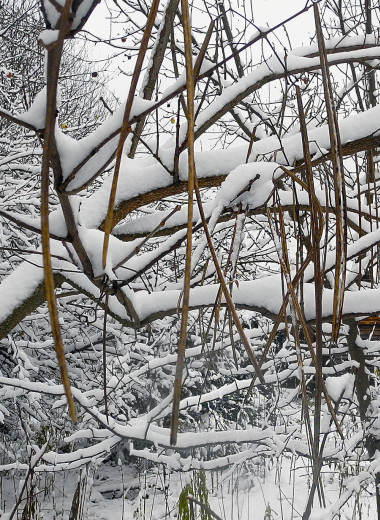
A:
[264,489]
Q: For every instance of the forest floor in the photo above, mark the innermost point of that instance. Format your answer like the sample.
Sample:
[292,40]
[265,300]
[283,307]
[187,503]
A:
[260,490]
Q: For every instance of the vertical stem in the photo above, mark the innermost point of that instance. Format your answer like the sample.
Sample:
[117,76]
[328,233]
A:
[190,194]
[104,341]
[371,81]
[53,66]
[316,230]
[339,186]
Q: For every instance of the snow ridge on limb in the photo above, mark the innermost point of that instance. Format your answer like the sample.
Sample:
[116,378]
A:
[80,11]
[150,181]
[80,165]
[23,288]
[152,306]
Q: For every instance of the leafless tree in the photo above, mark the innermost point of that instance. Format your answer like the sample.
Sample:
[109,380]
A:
[222,220]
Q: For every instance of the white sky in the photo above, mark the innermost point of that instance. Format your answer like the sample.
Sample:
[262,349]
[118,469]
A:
[272,12]
[266,13]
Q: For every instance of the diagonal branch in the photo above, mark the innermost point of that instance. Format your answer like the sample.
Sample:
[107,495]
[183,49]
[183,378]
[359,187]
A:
[125,129]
